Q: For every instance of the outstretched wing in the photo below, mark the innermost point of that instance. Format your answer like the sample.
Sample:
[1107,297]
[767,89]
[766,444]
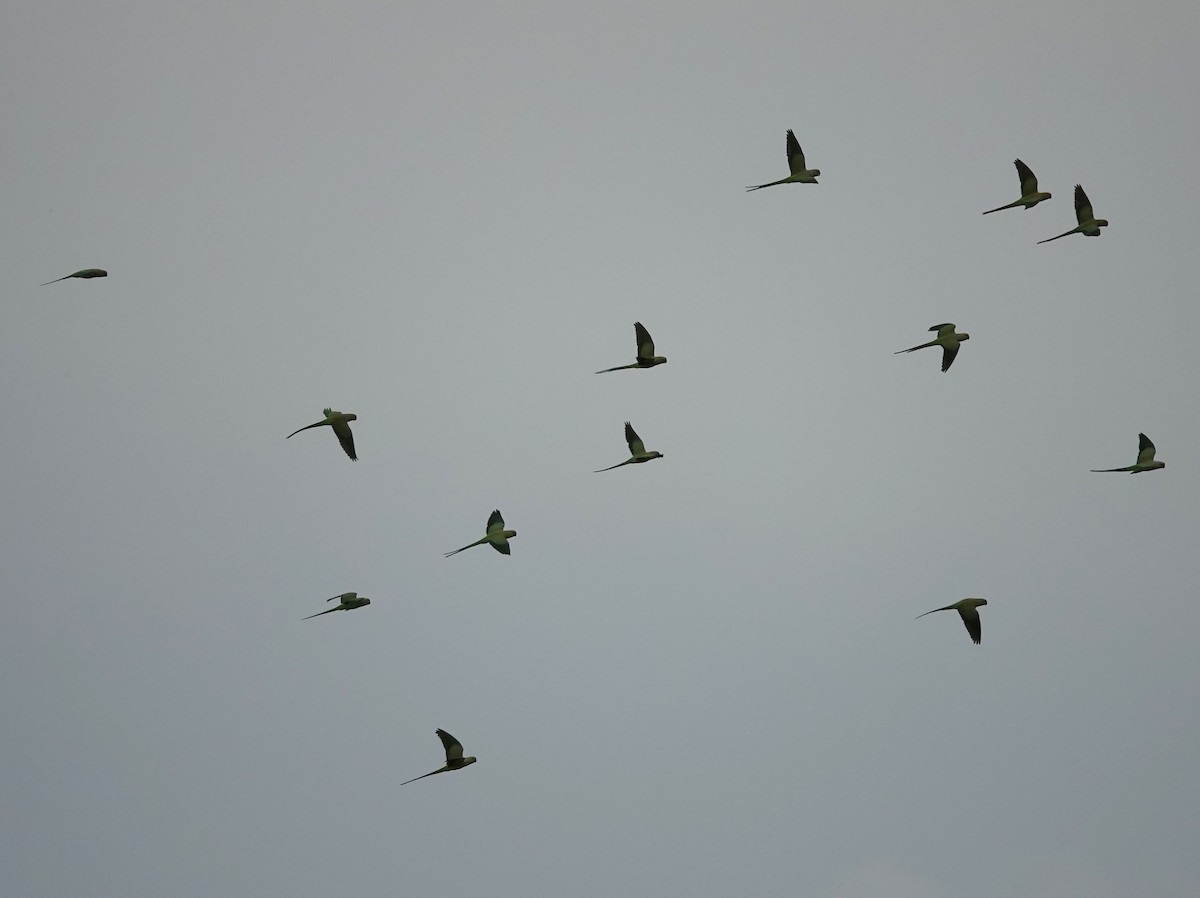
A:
[346,438]
[636,446]
[795,154]
[645,345]
[1028,178]
[970,618]
[495,524]
[948,355]
[454,749]
[1145,450]
[1083,206]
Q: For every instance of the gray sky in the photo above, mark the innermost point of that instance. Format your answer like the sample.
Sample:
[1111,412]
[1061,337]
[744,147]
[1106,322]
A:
[698,677]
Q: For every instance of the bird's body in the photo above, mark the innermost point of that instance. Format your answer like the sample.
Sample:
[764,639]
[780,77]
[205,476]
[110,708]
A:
[348,602]
[1145,459]
[454,757]
[497,537]
[947,339]
[645,352]
[1030,195]
[637,450]
[83,273]
[340,422]
[800,173]
[1089,225]
[968,610]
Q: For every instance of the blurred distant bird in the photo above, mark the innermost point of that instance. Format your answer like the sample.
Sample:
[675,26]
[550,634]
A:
[84,273]
[1145,459]
[645,351]
[340,422]
[497,536]
[637,449]
[968,610]
[947,339]
[454,757]
[350,601]
[1089,224]
[800,174]
[1030,195]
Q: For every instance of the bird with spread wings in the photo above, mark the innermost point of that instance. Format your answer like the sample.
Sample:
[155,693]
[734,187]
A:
[454,757]
[496,536]
[801,174]
[1089,225]
[1145,460]
[645,351]
[1030,195]
[637,450]
[349,601]
[947,339]
[968,610]
[340,422]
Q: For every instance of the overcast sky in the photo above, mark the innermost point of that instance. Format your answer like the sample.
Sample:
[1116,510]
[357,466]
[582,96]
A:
[696,677]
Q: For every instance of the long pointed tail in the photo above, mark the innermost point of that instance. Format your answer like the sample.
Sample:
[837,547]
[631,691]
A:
[478,542]
[618,368]
[308,427]
[422,776]
[1064,234]
[761,186]
[998,208]
[915,348]
[947,608]
[56,280]
[602,470]
[319,613]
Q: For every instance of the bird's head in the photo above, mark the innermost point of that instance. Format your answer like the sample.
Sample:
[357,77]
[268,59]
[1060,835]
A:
[350,416]
[978,602]
[1102,222]
[365,600]
[816,172]
[660,360]
[509,534]
[657,455]
[469,759]
[962,337]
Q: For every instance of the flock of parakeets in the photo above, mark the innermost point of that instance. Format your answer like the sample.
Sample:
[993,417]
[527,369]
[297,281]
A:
[947,338]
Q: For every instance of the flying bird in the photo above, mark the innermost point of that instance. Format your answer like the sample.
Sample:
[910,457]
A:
[800,174]
[637,449]
[645,351]
[454,757]
[1030,195]
[968,610]
[496,535]
[1089,224]
[84,273]
[1145,459]
[947,339]
[349,601]
[340,422]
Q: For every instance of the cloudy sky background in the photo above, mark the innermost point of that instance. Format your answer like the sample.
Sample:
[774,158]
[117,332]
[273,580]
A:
[698,677]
